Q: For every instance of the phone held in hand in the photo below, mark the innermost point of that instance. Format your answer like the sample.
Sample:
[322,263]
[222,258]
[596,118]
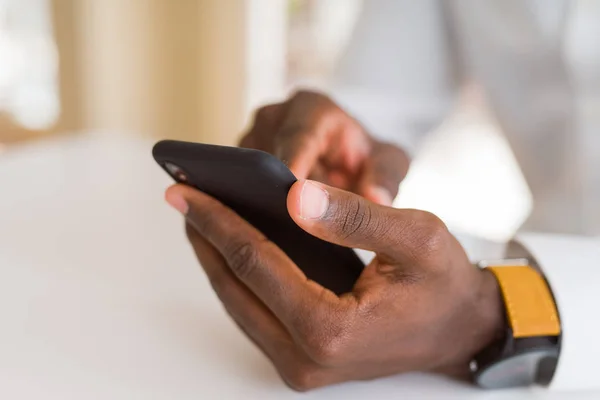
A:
[255,185]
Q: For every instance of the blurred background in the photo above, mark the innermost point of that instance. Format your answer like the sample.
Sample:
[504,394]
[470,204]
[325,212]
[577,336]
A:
[97,279]
[195,70]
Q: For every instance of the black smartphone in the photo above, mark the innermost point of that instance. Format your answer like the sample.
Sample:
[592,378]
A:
[255,185]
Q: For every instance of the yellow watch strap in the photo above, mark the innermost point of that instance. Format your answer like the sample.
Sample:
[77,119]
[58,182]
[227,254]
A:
[529,304]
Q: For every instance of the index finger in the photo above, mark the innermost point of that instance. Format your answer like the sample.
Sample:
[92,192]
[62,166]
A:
[300,138]
[297,146]
[257,262]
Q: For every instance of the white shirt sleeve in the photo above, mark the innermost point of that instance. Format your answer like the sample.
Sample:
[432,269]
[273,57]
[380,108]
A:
[396,75]
[571,265]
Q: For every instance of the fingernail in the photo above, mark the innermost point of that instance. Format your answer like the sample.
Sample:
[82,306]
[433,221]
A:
[381,195]
[178,203]
[314,201]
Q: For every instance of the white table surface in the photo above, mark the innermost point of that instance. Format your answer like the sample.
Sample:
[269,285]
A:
[101,297]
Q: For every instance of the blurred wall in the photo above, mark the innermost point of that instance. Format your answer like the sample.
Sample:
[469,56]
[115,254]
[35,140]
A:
[186,69]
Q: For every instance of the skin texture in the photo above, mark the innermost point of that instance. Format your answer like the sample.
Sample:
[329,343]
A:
[317,139]
[418,306]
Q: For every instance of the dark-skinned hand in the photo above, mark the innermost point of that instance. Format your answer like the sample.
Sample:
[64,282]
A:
[420,305]
[318,140]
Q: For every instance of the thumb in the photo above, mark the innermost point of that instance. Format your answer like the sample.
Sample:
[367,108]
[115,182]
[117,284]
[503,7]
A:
[350,220]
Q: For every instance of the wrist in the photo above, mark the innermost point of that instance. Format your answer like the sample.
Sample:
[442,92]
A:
[485,325]
[492,319]
[489,320]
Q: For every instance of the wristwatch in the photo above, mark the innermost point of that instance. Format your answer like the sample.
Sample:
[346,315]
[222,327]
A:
[527,352]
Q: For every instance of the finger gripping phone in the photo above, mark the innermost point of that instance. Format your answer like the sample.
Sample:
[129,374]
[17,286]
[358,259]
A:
[255,185]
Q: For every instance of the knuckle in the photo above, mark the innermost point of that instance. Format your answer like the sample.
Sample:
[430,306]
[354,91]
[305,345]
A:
[242,258]
[327,352]
[322,104]
[330,116]
[266,113]
[434,227]
[328,110]
[432,234]
[262,113]
[304,94]
[301,377]
[328,345]
[292,132]
[319,114]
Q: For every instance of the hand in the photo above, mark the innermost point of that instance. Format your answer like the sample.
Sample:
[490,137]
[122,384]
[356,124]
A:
[418,306]
[317,139]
